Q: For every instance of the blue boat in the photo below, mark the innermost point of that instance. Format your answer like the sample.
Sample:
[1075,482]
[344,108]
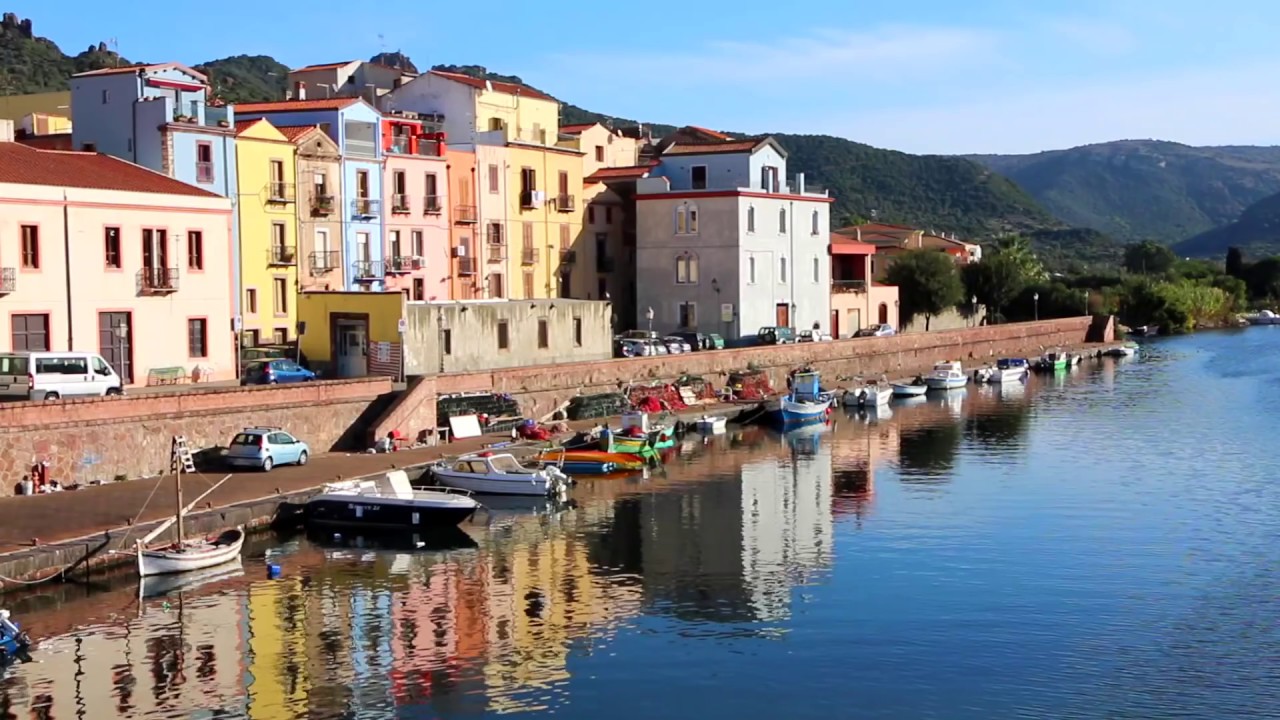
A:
[583,467]
[14,643]
[806,403]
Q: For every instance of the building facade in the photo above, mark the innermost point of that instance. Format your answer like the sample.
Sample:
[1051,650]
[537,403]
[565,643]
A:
[416,200]
[492,205]
[355,78]
[726,245]
[355,127]
[152,286]
[266,168]
[319,193]
[891,241]
[857,299]
[543,214]
[464,229]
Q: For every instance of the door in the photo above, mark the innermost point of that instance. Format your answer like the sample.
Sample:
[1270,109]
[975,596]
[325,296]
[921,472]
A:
[782,313]
[855,321]
[884,313]
[835,324]
[115,342]
[351,350]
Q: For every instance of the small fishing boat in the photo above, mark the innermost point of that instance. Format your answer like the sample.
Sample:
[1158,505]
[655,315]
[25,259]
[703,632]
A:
[620,461]
[806,403]
[870,395]
[1144,331]
[947,375]
[487,473]
[388,503]
[1005,370]
[14,643]
[186,555]
[1051,361]
[915,388]
[713,424]
[580,467]
[638,445]
[1128,349]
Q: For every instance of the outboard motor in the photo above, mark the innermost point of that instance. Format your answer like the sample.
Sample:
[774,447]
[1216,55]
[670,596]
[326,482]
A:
[13,642]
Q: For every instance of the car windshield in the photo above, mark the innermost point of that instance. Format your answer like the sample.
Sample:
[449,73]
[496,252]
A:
[13,365]
[245,439]
[255,368]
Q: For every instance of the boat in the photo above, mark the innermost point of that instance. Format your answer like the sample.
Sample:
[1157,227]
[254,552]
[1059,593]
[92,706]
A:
[489,473]
[1265,317]
[14,643]
[388,503]
[712,424]
[160,585]
[1005,370]
[186,555]
[620,461]
[639,445]
[1128,349]
[915,388]
[580,467]
[947,375]
[1144,331]
[871,395]
[805,403]
[1051,361]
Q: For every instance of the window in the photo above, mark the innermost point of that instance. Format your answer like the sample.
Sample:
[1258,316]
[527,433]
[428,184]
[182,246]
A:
[503,338]
[31,247]
[251,300]
[698,177]
[195,252]
[362,184]
[682,220]
[419,289]
[155,248]
[493,179]
[111,248]
[400,185]
[608,214]
[281,286]
[782,220]
[688,315]
[197,338]
[279,249]
[30,332]
[751,218]
[591,214]
[526,234]
[528,285]
[693,220]
[106,96]
[751,271]
[544,339]
[528,180]
[687,269]
[813,230]
[393,237]
[418,247]
[577,332]
[431,191]
[769,179]
[495,286]
[782,269]
[204,162]
[565,242]
[599,153]
[251,339]
[563,180]
[277,179]
[280,336]
[321,184]
[816,267]
[446,340]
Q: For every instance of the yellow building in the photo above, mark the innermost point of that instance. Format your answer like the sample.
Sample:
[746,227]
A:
[277,666]
[544,216]
[266,172]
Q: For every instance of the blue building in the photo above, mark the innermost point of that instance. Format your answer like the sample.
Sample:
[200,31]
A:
[356,127]
[158,116]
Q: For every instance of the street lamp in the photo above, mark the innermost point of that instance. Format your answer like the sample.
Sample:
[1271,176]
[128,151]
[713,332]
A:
[973,300]
[121,330]
[1086,301]
[1035,298]
[648,315]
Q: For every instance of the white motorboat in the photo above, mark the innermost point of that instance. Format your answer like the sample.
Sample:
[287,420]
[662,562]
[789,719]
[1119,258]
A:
[1006,370]
[713,424]
[1128,349]
[1266,317]
[487,473]
[946,375]
[873,395]
[911,389]
[388,503]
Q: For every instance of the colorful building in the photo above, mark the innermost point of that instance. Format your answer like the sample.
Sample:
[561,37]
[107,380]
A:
[491,210]
[355,127]
[266,167]
[857,299]
[277,668]
[320,226]
[416,200]
[544,186]
[464,228]
[353,78]
[153,263]
[891,241]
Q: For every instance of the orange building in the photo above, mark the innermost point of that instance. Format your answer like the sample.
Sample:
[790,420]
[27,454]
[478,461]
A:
[463,224]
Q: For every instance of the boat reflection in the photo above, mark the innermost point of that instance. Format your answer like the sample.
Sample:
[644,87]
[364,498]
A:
[158,585]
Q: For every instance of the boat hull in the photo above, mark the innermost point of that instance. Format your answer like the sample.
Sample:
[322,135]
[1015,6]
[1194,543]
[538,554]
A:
[789,413]
[1008,375]
[946,383]
[620,461]
[867,397]
[527,485]
[638,447]
[903,390]
[199,557]
[381,514]
[712,424]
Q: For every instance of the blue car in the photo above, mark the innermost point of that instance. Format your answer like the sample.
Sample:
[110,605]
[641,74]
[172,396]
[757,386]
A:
[266,447]
[275,370]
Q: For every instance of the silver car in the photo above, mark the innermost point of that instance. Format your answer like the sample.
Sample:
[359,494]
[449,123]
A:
[676,345]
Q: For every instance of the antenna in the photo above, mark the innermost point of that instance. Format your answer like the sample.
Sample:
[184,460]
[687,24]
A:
[382,43]
[115,48]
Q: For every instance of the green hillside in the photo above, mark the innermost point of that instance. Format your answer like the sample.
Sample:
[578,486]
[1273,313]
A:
[1256,232]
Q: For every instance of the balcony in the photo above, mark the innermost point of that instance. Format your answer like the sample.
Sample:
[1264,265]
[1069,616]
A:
[466,266]
[848,286]
[280,192]
[465,214]
[324,261]
[361,148]
[529,256]
[367,270]
[365,207]
[400,204]
[322,204]
[8,280]
[400,264]
[431,205]
[565,203]
[497,252]
[204,172]
[526,200]
[605,264]
[568,257]
[157,281]
[282,255]
[400,145]
[428,148]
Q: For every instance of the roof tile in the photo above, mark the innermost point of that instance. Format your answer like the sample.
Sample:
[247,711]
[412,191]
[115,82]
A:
[22,165]
[296,105]
[498,86]
[736,146]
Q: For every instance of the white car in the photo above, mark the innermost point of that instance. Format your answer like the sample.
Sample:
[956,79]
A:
[676,345]
[57,375]
[812,336]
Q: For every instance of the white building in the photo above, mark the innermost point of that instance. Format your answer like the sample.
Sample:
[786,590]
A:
[724,244]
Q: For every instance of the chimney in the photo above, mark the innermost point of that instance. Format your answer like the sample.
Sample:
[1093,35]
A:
[800,183]
[300,90]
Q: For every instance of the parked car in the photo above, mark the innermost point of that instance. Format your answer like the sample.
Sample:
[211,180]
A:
[700,341]
[266,447]
[676,344]
[643,348]
[880,330]
[812,336]
[771,335]
[271,351]
[639,335]
[275,371]
[54,375]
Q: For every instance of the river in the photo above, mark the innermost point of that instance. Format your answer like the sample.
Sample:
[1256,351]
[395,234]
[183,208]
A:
[1097,544]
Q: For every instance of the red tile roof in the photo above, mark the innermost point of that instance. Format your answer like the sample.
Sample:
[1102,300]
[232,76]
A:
[325,66]
[735,146]
[711,133]
[296,105]
[502,87]
[136,68]
[22,165]
[242,125]
[619,173]
[576,129]
[297,132]
[56,141]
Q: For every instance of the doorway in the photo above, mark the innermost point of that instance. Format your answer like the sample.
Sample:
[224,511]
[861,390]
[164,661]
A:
[350,351]
[115,342]
[835,324]
[884,313]
[782,315]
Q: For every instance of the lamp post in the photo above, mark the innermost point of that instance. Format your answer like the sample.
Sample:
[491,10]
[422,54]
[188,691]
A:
[973,300]
[648,315]
[1086,301]
[1035,298]
[125,369]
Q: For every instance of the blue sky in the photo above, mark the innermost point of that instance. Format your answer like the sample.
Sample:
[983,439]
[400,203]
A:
[933,76]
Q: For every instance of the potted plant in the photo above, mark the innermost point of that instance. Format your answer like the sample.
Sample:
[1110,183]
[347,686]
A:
[223,123]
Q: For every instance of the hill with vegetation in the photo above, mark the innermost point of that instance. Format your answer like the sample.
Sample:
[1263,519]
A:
[32,64]
[246,78]
[1256,232]
[1145,189]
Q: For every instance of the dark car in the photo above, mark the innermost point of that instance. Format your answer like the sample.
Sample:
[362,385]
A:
[776,336]
[275,371]
[701,341]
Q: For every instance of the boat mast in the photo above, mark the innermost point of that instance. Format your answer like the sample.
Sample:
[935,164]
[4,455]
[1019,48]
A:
[178,463]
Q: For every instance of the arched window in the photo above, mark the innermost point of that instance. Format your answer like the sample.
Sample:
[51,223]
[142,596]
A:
[687,269]
[884,313]
[751,270]
[814,229]
[817,266]
[782,269]
[693,219]
[751,218]
[687,219]
[782,220]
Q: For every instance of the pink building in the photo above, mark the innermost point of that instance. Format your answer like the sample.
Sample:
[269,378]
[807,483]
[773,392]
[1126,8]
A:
[857,300]
[152,283]
[416,209]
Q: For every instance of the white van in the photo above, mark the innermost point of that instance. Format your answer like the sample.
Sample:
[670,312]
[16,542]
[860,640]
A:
[54,375]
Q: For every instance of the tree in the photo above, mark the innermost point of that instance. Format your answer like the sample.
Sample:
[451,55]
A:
[996,281]
[928,284]
[1235,262]
[1263,278]
[1149,258]
[1017,251]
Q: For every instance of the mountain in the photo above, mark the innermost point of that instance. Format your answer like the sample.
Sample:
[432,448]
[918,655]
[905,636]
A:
[31,64]
[1145,189]
[246,78]
[1256,232]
